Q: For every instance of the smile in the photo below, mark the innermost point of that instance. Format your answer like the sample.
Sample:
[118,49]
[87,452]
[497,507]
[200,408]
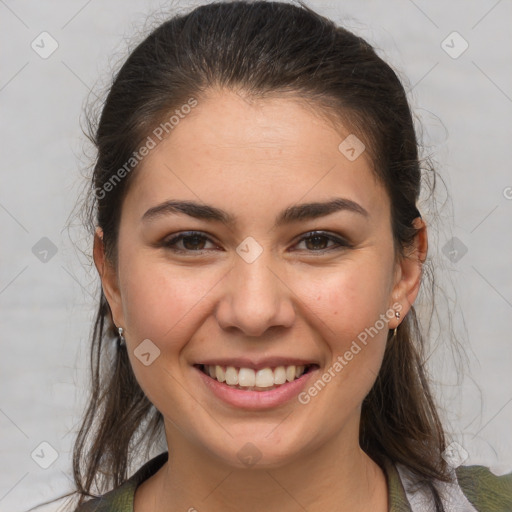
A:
[248,379]
[264,386]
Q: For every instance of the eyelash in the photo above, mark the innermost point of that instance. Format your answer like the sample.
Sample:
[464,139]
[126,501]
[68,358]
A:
[170,244]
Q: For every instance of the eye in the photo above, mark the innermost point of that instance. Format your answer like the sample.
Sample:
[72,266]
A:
[318,240]
[193,241]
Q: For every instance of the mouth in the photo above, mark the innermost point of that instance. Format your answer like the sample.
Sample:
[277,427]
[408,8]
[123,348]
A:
[249,379]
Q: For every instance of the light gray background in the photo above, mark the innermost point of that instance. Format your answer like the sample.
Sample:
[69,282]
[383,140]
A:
[464,105]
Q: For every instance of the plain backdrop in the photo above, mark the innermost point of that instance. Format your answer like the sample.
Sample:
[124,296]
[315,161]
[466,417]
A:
[456,61]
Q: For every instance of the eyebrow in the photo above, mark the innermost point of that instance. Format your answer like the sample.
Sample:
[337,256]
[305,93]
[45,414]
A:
[296,213]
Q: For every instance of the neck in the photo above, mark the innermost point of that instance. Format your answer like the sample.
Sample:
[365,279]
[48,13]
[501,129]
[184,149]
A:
[337,476]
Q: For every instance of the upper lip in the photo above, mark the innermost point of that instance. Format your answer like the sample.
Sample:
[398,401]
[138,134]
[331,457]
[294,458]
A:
[269,362]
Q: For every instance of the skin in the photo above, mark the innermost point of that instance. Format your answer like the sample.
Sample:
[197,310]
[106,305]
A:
[253,159]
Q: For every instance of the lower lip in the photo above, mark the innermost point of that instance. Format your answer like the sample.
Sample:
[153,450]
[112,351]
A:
[256,399]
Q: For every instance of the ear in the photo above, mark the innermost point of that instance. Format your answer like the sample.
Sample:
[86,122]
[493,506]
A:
[409,270]
[109,280]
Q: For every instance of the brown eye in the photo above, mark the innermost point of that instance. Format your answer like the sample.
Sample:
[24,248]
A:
[317,242]
[191,242]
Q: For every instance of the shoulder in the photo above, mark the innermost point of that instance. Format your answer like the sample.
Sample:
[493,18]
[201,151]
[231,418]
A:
[121,499]
[472,489]
[485,490]
[117,500]
[90,506]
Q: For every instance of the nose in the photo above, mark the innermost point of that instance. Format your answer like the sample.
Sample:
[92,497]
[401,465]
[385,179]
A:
[256,298]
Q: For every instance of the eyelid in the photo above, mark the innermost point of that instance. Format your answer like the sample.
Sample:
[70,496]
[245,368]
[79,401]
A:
[340,241]
[176,238]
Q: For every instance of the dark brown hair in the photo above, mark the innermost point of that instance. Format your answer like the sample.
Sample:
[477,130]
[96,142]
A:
[258,49]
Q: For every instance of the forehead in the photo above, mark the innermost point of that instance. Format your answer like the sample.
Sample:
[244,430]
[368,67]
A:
[271,127]
[274,149]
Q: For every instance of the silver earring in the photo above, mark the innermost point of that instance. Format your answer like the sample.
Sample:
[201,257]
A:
[121,342]
[397,316]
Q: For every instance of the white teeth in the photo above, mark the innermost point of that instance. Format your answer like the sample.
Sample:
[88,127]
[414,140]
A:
[280,375]
[248,378]
[220,375]
[231,376]
[264,378]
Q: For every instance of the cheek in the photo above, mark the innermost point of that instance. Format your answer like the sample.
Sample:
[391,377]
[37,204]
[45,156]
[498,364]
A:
[350,313]
[351,298]
[161,301]
[166,305]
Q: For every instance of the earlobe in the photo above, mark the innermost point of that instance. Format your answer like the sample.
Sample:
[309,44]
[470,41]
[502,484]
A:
[108,277]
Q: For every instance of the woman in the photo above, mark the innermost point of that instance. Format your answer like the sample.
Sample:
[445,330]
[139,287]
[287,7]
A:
[260,250]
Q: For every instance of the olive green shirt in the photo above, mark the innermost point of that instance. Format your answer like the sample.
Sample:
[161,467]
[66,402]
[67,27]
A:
[477,490]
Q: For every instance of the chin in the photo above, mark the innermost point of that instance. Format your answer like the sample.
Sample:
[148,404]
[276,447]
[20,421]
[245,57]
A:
[265,449]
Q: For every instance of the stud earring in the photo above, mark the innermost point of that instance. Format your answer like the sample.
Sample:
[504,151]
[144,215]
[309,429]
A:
[121,342]
[397,316]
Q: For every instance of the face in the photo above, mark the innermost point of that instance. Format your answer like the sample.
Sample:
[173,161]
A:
[274,287]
